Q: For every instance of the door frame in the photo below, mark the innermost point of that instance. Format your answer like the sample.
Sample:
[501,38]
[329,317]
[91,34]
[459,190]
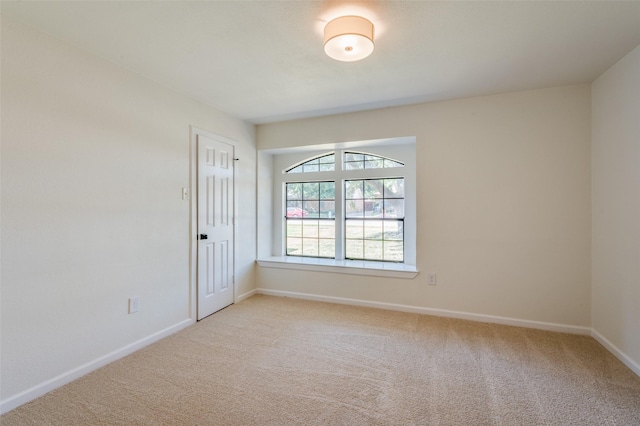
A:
[193,216]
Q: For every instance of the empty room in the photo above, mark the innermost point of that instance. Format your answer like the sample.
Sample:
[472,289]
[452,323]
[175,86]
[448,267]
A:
[320,212]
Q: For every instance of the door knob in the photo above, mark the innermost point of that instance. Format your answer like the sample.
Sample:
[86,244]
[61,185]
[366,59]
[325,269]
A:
[203,236]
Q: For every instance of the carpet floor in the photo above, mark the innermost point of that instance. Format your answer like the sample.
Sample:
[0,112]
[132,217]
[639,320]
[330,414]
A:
[281,361]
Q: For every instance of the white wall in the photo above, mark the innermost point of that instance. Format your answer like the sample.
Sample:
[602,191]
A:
[265,201]
[503,204]
[616,206]
[93,161]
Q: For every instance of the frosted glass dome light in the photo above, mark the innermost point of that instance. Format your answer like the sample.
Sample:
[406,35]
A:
[348,38]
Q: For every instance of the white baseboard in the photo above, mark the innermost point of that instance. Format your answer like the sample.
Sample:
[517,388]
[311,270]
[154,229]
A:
[71,375]
[562,328]
[623,357]
[246,295]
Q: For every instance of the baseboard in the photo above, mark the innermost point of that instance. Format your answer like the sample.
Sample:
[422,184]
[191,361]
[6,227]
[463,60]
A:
[246,295]
[623,357]
[562,328]
[71,375]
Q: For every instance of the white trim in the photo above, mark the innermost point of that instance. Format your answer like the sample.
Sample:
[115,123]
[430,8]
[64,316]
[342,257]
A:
[193,222]
[562,328]
[352,267]
[71,375]
[246,295]
[623,357]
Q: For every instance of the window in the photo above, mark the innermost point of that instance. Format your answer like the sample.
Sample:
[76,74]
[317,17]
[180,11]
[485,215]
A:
[352,209]
[357,160]
[374,219]
[325,163]
[310,224]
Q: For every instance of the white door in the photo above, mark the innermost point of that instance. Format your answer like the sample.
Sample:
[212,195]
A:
[215,225]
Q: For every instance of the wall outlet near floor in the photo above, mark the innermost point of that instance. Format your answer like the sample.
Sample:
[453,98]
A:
[432,278]
[134,304]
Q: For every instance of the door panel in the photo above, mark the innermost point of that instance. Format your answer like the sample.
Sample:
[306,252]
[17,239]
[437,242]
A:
[215,221]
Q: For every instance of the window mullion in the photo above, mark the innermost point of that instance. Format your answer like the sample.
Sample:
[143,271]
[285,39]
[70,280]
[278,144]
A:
[339,205]
[339,219]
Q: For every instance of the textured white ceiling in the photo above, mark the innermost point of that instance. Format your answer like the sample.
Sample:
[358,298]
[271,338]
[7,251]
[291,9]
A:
[263,61]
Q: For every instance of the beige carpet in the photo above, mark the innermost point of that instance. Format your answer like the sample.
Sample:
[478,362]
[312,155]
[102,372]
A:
[279,361]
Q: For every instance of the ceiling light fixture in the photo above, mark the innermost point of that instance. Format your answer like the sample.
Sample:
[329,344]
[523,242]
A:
[348,38]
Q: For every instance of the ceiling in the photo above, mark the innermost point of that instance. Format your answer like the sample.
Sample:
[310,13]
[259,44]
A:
[263,61]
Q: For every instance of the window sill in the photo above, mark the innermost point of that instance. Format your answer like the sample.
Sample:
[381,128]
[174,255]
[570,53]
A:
[353,267]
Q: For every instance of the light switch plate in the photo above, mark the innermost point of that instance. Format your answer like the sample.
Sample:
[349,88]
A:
[134,304]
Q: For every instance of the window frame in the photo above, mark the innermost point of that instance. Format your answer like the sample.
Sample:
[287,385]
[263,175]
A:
[304,219]
[283,161]
[364,219]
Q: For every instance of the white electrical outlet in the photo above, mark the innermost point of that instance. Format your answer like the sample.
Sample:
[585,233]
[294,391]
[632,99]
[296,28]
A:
[134,305]
[432,278]
[185,193]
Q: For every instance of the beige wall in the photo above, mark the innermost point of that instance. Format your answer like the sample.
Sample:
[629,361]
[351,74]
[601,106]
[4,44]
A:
[503,204]
[616,206]
[93,161]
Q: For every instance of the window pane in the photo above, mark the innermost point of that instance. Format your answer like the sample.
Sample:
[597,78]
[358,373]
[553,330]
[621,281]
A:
[294,246]
[393,251]
[310,229]
[373,162]
[394,188]
[373,188]
[354,165]
[327,229]
[354,229]
[296,170]
[310,168]
[373,250]
[327,159]
[312,208]
[328,209]
[394,208]
[327,190]
[327,167]
[390,163]
[327,248]
[393,230]
[373,208]
[294,191]
[373,229]
[355,208]
[352,156]
[354,249]
[310,247]
[311,190]
[354,189]
[294,228]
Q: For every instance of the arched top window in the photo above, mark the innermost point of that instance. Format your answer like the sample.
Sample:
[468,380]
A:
[323,163]
[351,160]
[361,160]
